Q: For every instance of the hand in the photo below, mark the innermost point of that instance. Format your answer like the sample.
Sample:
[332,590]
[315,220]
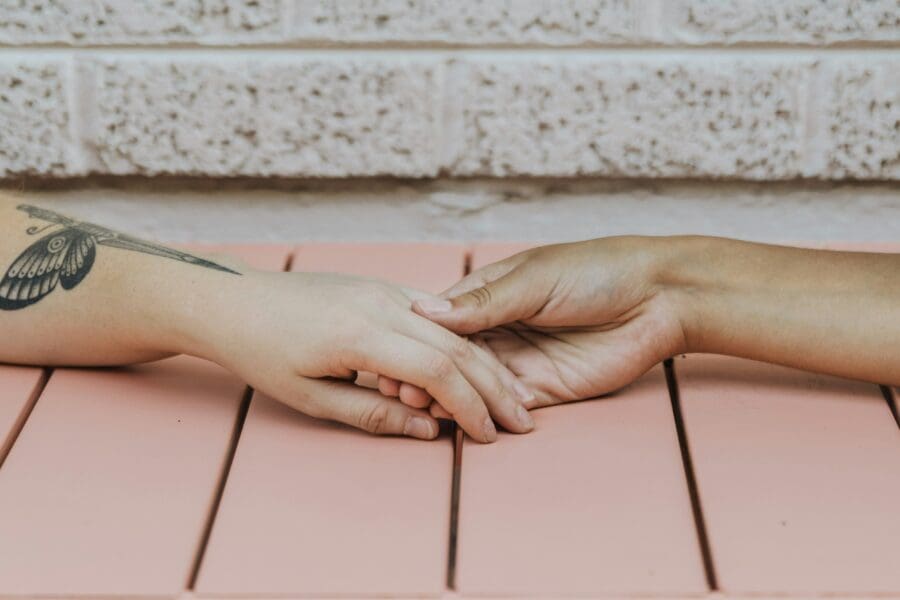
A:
[302,337]
[572,321]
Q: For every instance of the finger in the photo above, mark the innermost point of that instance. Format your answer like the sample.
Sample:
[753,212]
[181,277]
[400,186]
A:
[416,397]
[510,298]
[389,387]
[406,359]
[366,379]
[484,275]
[437,411]
[525,393]
[518,356]
[481,370]
[368,410]
[413,294]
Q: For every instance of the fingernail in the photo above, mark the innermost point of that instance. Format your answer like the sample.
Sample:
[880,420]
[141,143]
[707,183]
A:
[490,432]
[434,305]
[418,427]
[522,391]
[524,418]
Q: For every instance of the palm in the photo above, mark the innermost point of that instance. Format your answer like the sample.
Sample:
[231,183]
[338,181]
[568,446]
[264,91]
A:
[574,363]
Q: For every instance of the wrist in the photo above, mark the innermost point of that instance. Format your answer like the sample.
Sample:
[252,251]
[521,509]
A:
[689,274]
[183,308]
[185,319]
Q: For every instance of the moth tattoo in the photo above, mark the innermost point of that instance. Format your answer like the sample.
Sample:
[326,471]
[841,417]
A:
[66,256]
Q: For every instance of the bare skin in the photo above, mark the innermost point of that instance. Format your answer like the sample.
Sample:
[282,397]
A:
[78,294]
[578,320]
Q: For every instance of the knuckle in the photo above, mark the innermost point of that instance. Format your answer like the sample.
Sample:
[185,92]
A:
[379,296]
[374,419]
[440,367]
[481,297]
[500,389]
[460,349]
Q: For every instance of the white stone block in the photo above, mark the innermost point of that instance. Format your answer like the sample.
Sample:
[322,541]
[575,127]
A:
[139,21]
[862,119]
[465,21]
[677,117]
[782,21]
[34,117]
[332,117]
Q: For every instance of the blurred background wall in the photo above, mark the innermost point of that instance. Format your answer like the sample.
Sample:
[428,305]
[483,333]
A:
[468,119]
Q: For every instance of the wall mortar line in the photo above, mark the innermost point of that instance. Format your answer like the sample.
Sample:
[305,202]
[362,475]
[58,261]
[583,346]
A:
[760,50]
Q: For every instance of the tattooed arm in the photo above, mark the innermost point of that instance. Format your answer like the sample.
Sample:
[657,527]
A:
[52,314]
[75,293]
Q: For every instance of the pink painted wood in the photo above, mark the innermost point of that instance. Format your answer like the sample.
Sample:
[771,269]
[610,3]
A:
[491,252]
[593,502]
[268,257]
[108,489]
[18,391]
[317,509]
[798,478]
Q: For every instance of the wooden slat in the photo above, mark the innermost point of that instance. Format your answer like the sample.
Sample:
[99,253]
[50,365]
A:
[315,509]
[593,502]
[490,252]
[798,477]
[108,489]
[18,388]
[268,257]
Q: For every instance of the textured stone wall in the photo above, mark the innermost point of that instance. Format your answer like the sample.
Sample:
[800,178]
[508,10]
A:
[458,22]
[700,89]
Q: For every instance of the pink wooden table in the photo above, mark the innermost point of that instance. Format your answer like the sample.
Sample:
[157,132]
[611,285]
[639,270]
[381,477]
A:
[708,476]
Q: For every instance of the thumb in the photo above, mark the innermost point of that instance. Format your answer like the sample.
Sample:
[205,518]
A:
[494,303]
[368,410]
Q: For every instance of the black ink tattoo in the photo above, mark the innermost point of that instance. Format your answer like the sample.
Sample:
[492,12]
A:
[67,255]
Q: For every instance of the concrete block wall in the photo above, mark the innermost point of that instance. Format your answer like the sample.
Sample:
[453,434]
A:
[753,90]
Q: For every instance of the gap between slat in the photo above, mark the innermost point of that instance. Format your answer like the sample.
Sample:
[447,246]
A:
[288,262]
[453,538]
[19,425]
[892,402]
[239,422]
[458,439]
[690,477]
[220,488]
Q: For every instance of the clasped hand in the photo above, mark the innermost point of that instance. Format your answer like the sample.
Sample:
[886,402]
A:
[570,321]
[552,324]
[556,324]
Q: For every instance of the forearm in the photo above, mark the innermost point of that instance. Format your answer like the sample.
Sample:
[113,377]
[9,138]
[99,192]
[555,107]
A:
[112,305]
[831,312]
[73,293]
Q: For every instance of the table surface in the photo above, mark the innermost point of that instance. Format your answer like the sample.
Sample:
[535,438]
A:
[709,475]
